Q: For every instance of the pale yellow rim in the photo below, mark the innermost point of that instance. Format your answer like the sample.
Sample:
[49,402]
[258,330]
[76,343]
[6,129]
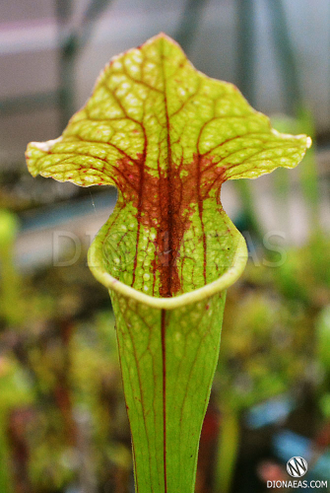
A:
[226,280]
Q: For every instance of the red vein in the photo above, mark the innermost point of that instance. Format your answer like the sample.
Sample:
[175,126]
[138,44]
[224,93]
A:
[169,247]
[137,81]
[163,338]
[134,354]
[128,416]
[200,212]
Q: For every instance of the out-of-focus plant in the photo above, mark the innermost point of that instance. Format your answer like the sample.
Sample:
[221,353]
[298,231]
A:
[10,295]
[305,275]
[275,341]
[308,176]
[323,354]
[16,394]
[264,354]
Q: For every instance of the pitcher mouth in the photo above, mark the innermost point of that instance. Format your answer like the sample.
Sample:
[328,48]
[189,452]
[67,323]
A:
[227,279]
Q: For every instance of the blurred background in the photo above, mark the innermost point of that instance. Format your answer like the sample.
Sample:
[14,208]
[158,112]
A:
[63,424]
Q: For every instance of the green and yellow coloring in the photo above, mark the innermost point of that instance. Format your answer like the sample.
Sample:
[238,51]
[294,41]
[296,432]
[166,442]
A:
[167,137]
